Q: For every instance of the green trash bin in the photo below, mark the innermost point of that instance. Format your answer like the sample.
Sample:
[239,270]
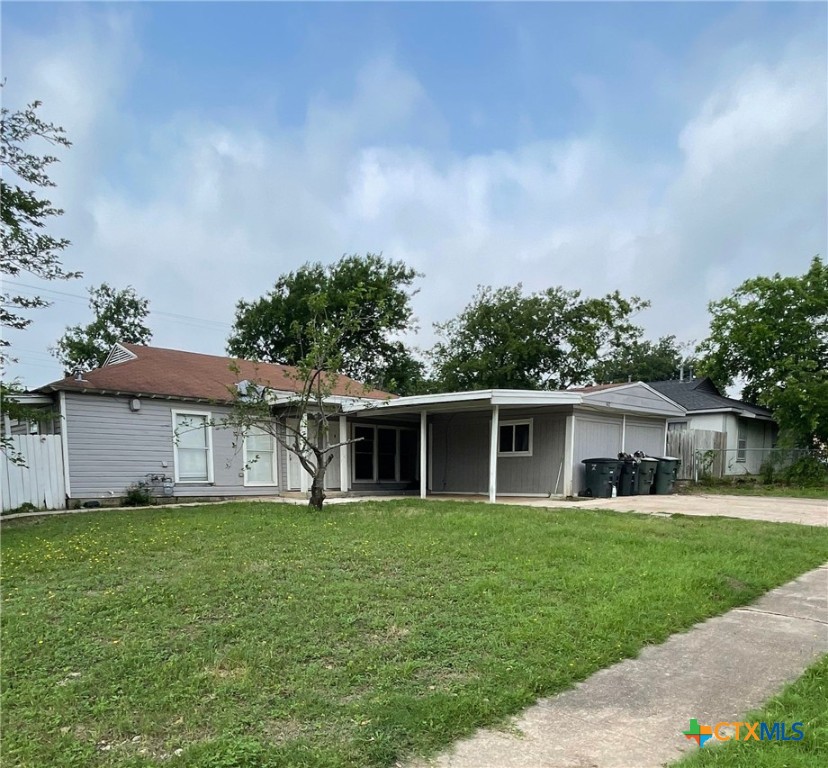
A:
[600,477]
[627,485]
[645,475]
[666,474]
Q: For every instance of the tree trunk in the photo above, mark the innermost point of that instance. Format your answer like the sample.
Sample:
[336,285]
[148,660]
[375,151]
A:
[317,493]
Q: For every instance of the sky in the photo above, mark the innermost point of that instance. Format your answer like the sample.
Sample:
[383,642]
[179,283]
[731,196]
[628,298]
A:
[664,150]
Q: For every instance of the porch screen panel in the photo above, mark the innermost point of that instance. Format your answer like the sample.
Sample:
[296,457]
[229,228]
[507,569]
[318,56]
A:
[364,453]
[387,454]
[408,455]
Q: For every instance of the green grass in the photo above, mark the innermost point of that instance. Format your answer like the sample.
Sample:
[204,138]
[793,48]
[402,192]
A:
[263,635]
[804,701]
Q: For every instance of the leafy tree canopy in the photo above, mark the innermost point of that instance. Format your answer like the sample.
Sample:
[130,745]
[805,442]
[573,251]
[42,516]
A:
[26,246]
[546,340]
[772,333]
[643,360]
[274,328]
[119,316]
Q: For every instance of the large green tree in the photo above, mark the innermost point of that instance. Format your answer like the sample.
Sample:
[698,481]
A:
[372,292]
[771,333]
[27,246]
[643,360]
[551,339]
[119,315]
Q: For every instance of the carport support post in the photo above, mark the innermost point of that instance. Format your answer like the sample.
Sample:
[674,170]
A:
[423,453]
[493,454]
[344,469]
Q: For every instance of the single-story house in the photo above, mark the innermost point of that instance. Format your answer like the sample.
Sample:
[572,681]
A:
[749,431]
[152,414]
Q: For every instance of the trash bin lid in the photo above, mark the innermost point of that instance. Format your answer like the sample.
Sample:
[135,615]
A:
[669,458]
[604,460]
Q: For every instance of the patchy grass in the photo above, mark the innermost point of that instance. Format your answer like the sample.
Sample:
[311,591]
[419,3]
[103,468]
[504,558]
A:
[264,635]
[804,701]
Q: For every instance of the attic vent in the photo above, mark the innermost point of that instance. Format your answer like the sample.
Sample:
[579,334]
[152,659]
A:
[119,354]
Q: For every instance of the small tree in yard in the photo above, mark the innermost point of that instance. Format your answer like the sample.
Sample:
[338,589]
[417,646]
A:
[316,373]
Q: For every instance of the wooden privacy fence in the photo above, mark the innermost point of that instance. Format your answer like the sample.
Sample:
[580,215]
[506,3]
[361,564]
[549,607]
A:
[701,452]
[41,481]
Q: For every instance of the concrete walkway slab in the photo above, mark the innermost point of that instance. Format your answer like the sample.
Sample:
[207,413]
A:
[767,508]
[632,714]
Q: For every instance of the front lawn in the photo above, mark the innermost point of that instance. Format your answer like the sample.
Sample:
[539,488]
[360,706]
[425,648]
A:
[805,701]
[264,635]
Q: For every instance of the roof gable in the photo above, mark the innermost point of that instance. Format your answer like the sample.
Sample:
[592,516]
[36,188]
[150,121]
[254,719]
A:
[155,371]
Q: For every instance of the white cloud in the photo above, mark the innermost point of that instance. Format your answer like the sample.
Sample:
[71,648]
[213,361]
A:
[215,212]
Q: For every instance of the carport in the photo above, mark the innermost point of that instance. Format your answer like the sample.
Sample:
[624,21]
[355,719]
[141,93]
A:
[500,442]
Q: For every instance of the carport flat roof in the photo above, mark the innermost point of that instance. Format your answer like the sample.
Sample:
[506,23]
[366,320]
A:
[483,398]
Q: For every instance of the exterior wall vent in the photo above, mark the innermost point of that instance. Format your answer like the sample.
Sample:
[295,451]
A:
[119,354]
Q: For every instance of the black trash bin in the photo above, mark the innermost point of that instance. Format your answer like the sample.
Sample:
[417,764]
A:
[666,474]
[600,476]
[645,475]
[627,485]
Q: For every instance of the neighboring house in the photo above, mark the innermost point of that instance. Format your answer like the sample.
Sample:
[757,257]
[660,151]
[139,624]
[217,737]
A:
[151,413]
[748,431]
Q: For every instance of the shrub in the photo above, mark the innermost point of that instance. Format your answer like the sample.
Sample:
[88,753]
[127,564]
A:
[137,495]
[807,472]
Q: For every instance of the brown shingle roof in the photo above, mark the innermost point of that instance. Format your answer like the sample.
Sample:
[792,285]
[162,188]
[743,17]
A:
[193,376]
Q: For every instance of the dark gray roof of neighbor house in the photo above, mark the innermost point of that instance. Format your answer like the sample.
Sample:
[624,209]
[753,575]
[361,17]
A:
[701,394]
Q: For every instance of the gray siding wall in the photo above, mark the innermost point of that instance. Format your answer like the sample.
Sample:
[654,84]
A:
[599,435]
[461,455]
[635,398]
[644,435]
[111,447]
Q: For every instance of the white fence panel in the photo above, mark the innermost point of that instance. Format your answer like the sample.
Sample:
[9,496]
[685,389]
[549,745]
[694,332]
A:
[41,481]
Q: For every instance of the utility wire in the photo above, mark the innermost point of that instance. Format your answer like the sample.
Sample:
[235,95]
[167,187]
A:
[215,324]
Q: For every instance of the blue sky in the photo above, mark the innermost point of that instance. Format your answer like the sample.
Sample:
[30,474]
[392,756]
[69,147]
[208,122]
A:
[665,149]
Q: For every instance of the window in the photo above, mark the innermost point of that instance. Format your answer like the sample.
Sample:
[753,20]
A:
[515,438]
[192,447]
[741,443]
[384,454]
[259,458]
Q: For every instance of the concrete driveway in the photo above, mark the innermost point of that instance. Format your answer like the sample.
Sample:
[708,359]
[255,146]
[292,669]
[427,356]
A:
[771,509]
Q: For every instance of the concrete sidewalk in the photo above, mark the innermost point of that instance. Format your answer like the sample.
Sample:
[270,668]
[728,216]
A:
[632,714]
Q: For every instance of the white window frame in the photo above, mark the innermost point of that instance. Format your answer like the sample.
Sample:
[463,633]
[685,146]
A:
[209,429]
[375,478]
[741,442]
[514,423]
[274,465]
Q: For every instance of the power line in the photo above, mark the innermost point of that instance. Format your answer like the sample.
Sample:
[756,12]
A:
[187,319]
